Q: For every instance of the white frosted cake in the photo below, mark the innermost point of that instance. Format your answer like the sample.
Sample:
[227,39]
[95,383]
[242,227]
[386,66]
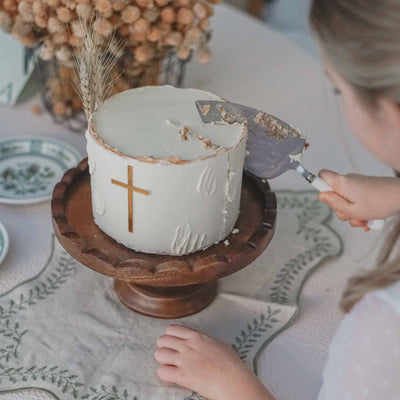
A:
[163,181]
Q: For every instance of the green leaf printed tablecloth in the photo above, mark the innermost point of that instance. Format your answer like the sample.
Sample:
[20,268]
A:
[65,335]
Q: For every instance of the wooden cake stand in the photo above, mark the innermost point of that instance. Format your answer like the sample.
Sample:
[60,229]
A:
[159,285]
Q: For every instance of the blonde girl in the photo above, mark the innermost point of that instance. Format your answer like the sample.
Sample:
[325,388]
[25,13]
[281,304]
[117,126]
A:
[360,45]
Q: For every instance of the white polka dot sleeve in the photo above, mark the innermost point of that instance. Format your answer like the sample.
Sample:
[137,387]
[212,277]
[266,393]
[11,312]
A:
[364,356]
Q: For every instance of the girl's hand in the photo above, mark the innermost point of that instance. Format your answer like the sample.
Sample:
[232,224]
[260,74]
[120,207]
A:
[360,198]
[205,365]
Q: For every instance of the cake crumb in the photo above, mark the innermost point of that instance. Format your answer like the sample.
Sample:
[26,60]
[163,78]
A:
[186,133]
[226,242]
[205,108]
[230,118]
[183,133]
[36,109]
[263,180]
[235,231]
[274,127]
[206,142]
[247,153]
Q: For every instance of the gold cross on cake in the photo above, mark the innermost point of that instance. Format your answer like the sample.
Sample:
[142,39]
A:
[131,189]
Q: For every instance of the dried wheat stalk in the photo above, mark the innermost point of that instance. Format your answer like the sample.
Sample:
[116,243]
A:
[94,64]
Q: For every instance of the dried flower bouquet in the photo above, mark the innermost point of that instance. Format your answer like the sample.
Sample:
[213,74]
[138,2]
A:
[150,29]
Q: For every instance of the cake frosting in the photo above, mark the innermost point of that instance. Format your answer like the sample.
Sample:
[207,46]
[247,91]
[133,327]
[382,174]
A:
[163,181]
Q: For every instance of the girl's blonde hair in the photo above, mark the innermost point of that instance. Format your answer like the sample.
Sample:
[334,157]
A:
[386,273]
[361,40]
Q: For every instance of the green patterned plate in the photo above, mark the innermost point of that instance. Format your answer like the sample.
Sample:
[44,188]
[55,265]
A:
[4,243]
[31,166]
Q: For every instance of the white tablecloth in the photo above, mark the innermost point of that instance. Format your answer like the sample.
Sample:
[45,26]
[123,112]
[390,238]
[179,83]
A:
[256,66]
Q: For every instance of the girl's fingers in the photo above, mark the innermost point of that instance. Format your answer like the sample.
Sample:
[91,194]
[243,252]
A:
[334,180]
[336,202]
[356,223]
[168,373]
[167,356]
[170,342]
[179,331]
[341,216]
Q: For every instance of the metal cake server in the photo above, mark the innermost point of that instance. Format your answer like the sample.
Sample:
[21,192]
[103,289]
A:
[273,146]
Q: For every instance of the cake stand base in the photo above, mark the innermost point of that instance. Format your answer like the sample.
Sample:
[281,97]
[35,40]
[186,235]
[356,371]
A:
[166,302]
[159,285]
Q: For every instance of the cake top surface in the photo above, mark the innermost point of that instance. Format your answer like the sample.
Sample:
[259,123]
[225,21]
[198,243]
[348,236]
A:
[162,122]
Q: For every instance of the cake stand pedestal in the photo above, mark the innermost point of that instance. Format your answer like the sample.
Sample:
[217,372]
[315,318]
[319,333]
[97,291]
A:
[161,286]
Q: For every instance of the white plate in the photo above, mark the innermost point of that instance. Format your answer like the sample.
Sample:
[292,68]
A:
[4,243]
[31,166]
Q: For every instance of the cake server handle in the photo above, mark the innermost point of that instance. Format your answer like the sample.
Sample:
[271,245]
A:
[322,186]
